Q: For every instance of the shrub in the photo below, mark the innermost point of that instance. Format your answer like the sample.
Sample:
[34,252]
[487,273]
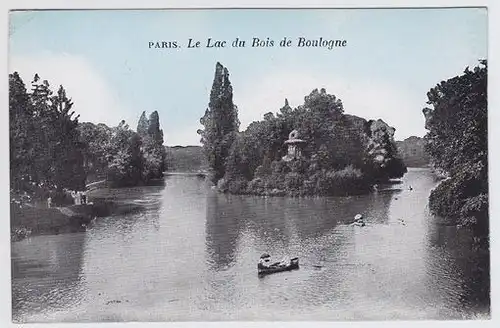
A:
[279,167]
[256,187]
[237,185]
[293,181]
[309,187]
[346,181]
[452,200]
[445,199]
[476,206]
[299,166]
[222,185]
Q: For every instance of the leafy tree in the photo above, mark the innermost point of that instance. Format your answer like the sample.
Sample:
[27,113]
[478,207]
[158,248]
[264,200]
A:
[341,155]
[123,156]
[220,123]
[67,151]
[43,141]
[126,162]
[240,162]
[97,140]
[40,94]
[323,103]
[154,130]
[152,146]
[382,159]
[52,152]
[46,152]
[143,125]
[457,143]
[21,134]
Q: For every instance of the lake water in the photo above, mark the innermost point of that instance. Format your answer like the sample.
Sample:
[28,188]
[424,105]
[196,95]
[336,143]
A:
[192,255]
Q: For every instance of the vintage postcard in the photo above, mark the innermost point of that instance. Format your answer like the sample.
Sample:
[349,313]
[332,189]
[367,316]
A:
[249,165]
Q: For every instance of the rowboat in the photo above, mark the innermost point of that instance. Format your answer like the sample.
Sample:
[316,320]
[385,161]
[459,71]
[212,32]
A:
[358,221]
[278,267]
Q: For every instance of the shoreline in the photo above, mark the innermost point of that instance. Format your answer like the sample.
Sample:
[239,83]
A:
[36,220]
[33,221]
[276,192]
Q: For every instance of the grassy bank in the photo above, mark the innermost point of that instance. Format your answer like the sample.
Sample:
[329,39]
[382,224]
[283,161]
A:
[37,220]
[27,220]
[297,179]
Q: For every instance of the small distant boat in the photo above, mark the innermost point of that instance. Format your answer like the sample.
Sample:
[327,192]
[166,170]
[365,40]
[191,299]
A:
[293,264]
[358,221]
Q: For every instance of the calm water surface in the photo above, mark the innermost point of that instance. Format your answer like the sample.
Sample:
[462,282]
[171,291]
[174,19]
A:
[192,254]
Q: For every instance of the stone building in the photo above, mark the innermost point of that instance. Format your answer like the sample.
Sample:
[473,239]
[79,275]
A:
[295,146]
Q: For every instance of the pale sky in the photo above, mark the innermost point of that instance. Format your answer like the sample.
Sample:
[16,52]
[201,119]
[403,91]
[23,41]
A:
[392,58]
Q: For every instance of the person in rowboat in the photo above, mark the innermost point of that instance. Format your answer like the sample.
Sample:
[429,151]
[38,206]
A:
[265,261]
[358,221]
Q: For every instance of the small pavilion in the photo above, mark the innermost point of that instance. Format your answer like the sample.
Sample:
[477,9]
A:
[295,146]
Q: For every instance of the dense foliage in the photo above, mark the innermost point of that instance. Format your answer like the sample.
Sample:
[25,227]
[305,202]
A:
[343,154]
[51,151]
[125,162]
[97,152]
[220,123]
[124,157]
[152,148]
[45,151]
[457,143]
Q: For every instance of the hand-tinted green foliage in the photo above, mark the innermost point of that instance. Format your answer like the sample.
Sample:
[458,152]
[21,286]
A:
[143,125]
[457,144]
[340,157]
[46,151]
[126,162]
[21,134]
[67,165]
[97,139]
[382,160]
[220,123]
[152,147]
[122,156]
[113,154]
[51,151]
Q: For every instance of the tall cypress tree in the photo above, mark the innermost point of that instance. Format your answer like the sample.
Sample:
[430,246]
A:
[21,133]
[45,146]
[67,161]
[152,148]
[220,123]
[142,126]
[44,132]
[156,135]
[153,129]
